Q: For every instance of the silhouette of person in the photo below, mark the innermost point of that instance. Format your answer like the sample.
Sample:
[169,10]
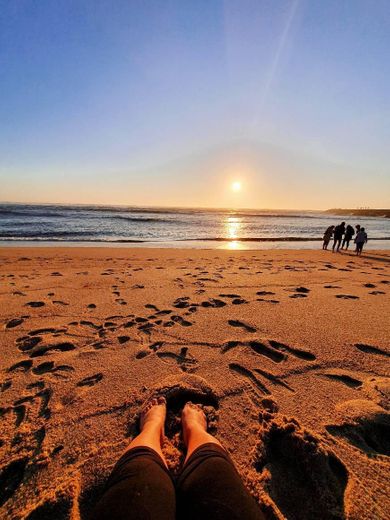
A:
[327,236]
[357,231]
[360,240]
[337,236]
[349,232]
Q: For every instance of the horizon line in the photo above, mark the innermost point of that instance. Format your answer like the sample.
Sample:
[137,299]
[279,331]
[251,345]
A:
[147,206]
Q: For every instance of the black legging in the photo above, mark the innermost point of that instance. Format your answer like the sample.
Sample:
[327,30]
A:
[141,488]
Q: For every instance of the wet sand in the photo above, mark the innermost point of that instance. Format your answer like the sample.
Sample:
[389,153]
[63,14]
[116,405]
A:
[288,351]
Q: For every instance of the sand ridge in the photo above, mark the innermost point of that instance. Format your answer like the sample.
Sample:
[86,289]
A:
[287,351]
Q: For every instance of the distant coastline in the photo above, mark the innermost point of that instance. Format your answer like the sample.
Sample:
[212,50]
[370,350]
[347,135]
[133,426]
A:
[383,213]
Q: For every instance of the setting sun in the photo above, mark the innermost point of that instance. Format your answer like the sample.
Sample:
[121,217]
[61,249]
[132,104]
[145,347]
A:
[236,186]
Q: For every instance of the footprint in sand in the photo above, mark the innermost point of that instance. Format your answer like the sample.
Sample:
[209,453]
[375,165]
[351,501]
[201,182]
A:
[299,353]
[317,478]
[181,321]
[346,379]
[369,349]
[91,380]
[242,325]
[41,350]
[35,304]
[123,339]
[15,322]
[239,301]
[182,303]
[11,477]
[213,302]
[302,290]
[184,359]
[347,297]
[21,366]
[257,386]
[49,366]
[365,425]
[256,346]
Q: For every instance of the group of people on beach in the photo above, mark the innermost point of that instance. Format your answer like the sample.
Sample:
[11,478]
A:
[342,235]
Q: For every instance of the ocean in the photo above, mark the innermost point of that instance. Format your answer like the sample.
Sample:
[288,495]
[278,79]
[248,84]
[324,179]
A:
[53,224]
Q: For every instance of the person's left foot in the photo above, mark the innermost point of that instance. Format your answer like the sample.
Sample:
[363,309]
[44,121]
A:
[153,415]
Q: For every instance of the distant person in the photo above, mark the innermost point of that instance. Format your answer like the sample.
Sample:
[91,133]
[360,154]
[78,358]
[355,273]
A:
[327,236]
[357,227]
[338,236]
[349,232]
[360,240]
[141,486]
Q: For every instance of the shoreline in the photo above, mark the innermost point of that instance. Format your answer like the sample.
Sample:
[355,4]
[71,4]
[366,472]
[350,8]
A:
[193,244]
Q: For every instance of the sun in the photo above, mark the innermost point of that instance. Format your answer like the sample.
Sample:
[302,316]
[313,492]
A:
[236,186]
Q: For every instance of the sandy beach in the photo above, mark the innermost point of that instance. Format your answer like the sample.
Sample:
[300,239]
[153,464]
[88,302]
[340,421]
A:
[288,351]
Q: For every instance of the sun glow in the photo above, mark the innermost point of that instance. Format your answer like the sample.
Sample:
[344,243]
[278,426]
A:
[236,186]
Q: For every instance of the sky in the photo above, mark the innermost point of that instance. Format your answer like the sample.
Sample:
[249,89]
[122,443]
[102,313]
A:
[167,103]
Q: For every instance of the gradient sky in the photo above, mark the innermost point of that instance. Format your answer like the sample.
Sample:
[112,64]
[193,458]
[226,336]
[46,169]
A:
[167,102]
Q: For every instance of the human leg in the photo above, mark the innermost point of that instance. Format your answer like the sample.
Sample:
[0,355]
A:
[209,486]
[140,485]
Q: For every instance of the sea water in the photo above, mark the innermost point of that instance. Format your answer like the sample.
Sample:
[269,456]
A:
[30,224]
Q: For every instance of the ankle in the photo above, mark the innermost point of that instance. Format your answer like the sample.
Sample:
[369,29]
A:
[151,427]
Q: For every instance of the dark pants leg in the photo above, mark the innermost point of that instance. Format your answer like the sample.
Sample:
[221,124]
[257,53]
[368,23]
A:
[209,487]
[336,242]
[139,488]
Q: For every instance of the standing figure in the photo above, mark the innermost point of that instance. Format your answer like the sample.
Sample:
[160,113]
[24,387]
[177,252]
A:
[357,227]
[327,236]
[349,232]
[360,240]
[338,235]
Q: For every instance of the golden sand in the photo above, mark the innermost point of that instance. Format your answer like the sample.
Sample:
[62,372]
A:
[287,350]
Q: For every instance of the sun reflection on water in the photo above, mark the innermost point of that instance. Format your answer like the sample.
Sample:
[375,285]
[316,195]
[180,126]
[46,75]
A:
[233,227]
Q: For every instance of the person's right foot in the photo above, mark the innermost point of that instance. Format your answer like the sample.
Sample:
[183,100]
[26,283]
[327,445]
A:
[153,415]
[192,419]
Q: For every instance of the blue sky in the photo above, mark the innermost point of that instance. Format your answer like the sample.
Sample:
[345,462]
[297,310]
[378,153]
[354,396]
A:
[168,102]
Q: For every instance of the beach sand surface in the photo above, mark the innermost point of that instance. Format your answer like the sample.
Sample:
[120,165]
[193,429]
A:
[288,352]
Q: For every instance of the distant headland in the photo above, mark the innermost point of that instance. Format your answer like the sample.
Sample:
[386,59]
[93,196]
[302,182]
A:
[361,212]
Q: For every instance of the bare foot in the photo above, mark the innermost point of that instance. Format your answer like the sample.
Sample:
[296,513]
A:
[153,415]
[192,419]
[194,424]
[152,421]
